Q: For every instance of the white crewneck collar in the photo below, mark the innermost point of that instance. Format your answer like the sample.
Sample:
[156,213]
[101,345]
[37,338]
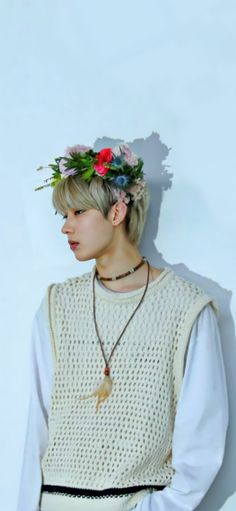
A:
[110,294]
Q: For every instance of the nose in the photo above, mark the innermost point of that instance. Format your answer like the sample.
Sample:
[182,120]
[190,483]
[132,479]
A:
[67,227]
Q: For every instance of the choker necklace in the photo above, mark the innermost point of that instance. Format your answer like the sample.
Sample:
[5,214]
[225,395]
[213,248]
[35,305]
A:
[99,277]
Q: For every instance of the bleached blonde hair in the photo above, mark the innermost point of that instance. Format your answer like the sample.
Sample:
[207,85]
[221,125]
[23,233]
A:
[75,192]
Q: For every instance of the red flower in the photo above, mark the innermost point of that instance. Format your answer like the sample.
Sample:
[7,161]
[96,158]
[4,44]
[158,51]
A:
[100,169]
[104,157]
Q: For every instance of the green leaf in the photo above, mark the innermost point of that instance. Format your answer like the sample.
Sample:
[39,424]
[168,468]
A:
[88,173]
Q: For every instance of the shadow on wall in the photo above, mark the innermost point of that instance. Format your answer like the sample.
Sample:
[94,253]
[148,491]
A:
[154,153]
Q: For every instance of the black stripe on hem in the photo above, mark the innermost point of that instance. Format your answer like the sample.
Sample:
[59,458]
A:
[85,492]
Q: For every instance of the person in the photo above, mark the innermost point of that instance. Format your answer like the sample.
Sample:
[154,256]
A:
[128,406]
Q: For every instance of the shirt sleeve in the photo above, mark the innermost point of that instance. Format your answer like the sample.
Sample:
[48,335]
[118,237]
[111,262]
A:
[201,421]
[36,437]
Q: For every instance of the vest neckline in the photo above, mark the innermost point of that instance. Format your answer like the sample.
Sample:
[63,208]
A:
[111,295]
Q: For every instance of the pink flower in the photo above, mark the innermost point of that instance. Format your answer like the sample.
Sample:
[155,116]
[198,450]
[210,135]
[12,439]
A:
[125,151]
[116,150]
[121,196]
[76,149]
[131,159]
[129,156]
[125,148]
[137,189]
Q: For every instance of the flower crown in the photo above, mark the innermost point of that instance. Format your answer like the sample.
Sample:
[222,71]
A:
[120,166]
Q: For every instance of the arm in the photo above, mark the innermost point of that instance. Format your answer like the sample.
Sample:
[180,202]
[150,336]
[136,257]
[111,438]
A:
[201,422]
[36,439]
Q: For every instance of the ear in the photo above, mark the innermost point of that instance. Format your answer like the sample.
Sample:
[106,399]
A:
[118,212]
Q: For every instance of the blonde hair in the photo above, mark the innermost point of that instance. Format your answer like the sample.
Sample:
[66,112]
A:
[74,192]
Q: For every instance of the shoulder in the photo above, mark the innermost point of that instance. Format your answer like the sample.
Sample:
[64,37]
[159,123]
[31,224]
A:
[70,284]
[186,289]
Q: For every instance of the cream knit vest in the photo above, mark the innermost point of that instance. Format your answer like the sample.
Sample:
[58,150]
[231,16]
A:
[129,441]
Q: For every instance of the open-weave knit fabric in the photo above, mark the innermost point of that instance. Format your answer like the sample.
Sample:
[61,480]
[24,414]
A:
[129,441]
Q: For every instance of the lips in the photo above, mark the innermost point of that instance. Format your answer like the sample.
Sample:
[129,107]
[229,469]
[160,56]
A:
[73,244]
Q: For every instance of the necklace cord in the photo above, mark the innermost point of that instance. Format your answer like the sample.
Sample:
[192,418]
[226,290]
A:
[95,322]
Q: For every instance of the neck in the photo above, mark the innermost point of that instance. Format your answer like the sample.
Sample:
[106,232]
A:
[123,260]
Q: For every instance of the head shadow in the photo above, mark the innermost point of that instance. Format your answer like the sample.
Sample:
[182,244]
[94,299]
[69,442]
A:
[159,179]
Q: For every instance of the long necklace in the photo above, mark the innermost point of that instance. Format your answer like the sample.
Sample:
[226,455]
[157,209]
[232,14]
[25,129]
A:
[104,389]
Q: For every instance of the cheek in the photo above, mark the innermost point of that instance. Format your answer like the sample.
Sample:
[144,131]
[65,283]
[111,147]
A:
[98,229]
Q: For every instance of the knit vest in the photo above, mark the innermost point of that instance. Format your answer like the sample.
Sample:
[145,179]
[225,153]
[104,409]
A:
[129,441]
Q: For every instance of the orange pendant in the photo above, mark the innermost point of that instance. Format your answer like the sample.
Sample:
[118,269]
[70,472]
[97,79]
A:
[102,392]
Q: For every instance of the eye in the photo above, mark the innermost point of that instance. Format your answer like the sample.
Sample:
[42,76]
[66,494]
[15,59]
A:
[77,211]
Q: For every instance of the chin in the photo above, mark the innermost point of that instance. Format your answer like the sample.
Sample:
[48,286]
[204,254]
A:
[87,255]
[80,257]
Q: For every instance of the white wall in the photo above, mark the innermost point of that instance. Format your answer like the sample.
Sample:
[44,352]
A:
[75,72]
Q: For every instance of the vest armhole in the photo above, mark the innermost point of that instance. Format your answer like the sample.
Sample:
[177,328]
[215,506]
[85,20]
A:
[181,352]
[49,308]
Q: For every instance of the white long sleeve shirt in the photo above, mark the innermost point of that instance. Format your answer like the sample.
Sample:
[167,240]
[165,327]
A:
[200,425]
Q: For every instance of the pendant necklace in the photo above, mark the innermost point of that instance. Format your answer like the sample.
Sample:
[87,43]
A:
[104,389]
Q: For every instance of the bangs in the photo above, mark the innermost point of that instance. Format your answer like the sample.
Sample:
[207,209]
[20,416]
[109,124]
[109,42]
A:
[71,192]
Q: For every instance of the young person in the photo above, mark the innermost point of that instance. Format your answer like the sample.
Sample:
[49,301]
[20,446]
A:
[128,407]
